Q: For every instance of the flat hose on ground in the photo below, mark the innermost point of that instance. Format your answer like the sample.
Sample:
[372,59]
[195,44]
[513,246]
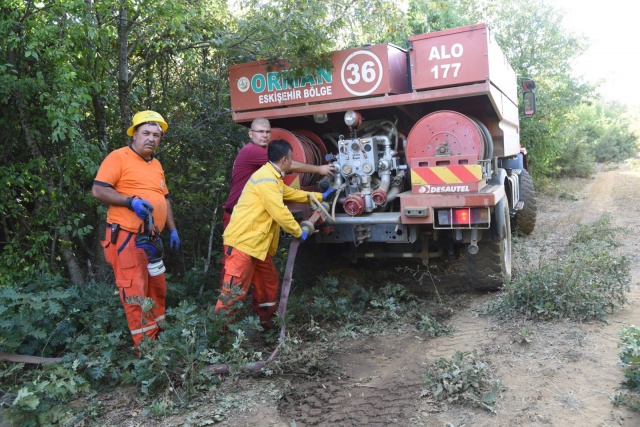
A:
[282,309]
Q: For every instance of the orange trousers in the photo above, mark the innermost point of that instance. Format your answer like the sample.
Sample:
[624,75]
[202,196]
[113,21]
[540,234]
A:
[134,284]
[242,271]
[226,217]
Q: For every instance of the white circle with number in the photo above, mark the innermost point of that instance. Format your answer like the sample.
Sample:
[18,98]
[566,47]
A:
[361,73]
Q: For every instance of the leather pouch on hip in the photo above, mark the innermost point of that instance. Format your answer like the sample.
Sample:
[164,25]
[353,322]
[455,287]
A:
[115,228]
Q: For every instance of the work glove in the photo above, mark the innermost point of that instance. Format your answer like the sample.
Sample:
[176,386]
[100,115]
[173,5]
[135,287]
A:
[142,208]
[174,240]
[328,195]
[307,228]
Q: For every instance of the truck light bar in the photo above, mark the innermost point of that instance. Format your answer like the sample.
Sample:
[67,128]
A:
[462,218]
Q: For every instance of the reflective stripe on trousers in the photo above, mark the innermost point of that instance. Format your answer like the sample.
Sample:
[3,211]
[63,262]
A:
[134,284]
[241,271]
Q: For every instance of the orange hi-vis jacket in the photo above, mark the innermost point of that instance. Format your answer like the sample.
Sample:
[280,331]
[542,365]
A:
[131,175]
[255,224]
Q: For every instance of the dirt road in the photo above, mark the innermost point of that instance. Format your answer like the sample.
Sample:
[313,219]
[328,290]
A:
[562,377]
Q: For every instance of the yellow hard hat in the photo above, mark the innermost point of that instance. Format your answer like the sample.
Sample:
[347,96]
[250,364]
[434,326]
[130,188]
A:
[147,116]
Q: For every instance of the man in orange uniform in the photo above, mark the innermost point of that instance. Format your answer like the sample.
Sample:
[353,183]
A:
[251,238]
[131,181]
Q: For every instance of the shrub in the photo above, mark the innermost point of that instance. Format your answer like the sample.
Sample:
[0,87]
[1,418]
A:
[630,356]
[587,281]
[576,160]
[616,145]
[630,362]
[463,378]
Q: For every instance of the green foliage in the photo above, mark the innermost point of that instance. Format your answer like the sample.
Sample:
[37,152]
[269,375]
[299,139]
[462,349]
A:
[425,17]
[35,321]
[463,378]
[630,356]
[595,132]
[630,363]
[576,160]
[587,281]
[357,310]
[430,326]
[328,301]
[96,345]
[616,141]
[38,402]
[389,300]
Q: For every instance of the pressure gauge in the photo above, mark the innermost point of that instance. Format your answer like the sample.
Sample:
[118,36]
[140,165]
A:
[346,170]
[367,168]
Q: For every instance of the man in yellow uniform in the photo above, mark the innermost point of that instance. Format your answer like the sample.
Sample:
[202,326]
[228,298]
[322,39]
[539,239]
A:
[251,238]
[131,181]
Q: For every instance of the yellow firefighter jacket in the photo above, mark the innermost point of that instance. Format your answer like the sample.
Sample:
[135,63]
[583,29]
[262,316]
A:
[255,224]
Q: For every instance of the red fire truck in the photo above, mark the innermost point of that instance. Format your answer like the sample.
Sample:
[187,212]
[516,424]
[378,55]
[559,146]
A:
[426,141]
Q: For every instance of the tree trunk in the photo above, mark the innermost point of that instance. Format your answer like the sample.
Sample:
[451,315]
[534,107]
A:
[100,116]
[123,69]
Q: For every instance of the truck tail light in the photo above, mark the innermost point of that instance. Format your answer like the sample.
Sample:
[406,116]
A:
[462,218]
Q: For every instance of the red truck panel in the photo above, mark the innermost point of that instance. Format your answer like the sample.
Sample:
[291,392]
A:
[458,57]
[375,70]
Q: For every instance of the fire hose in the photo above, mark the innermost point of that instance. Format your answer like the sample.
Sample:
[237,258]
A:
[282,308]
[309,227]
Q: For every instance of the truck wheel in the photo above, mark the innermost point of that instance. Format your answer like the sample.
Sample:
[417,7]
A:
[490,268]
[525,219]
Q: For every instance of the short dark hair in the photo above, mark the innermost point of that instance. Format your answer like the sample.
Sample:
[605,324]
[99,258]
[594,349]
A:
[278,149]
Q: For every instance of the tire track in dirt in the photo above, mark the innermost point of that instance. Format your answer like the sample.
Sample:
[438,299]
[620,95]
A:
[473,334]
[376,390]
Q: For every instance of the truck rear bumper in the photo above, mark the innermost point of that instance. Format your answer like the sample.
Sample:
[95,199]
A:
[418,208]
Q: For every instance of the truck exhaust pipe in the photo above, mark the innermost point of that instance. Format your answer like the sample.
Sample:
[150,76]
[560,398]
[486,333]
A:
[473,246]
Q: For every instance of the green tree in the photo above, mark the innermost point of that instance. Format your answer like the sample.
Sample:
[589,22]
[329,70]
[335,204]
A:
[46,155]
[533,38]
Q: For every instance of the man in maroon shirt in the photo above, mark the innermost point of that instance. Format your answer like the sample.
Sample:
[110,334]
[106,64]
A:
[252,157]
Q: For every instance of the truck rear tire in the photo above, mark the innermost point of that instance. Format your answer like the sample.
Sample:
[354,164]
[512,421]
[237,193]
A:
[490,268]
[525,219]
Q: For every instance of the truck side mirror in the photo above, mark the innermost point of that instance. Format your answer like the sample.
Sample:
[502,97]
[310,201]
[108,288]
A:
[529,102]
[528,85]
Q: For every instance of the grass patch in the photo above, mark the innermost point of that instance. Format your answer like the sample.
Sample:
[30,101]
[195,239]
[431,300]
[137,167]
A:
[630,363]
[463,378]
[587,281]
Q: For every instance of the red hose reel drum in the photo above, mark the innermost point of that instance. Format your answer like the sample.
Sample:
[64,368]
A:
[306,147]
[445,133]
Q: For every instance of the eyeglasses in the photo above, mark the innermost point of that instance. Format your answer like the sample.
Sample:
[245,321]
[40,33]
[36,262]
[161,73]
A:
[261,131]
